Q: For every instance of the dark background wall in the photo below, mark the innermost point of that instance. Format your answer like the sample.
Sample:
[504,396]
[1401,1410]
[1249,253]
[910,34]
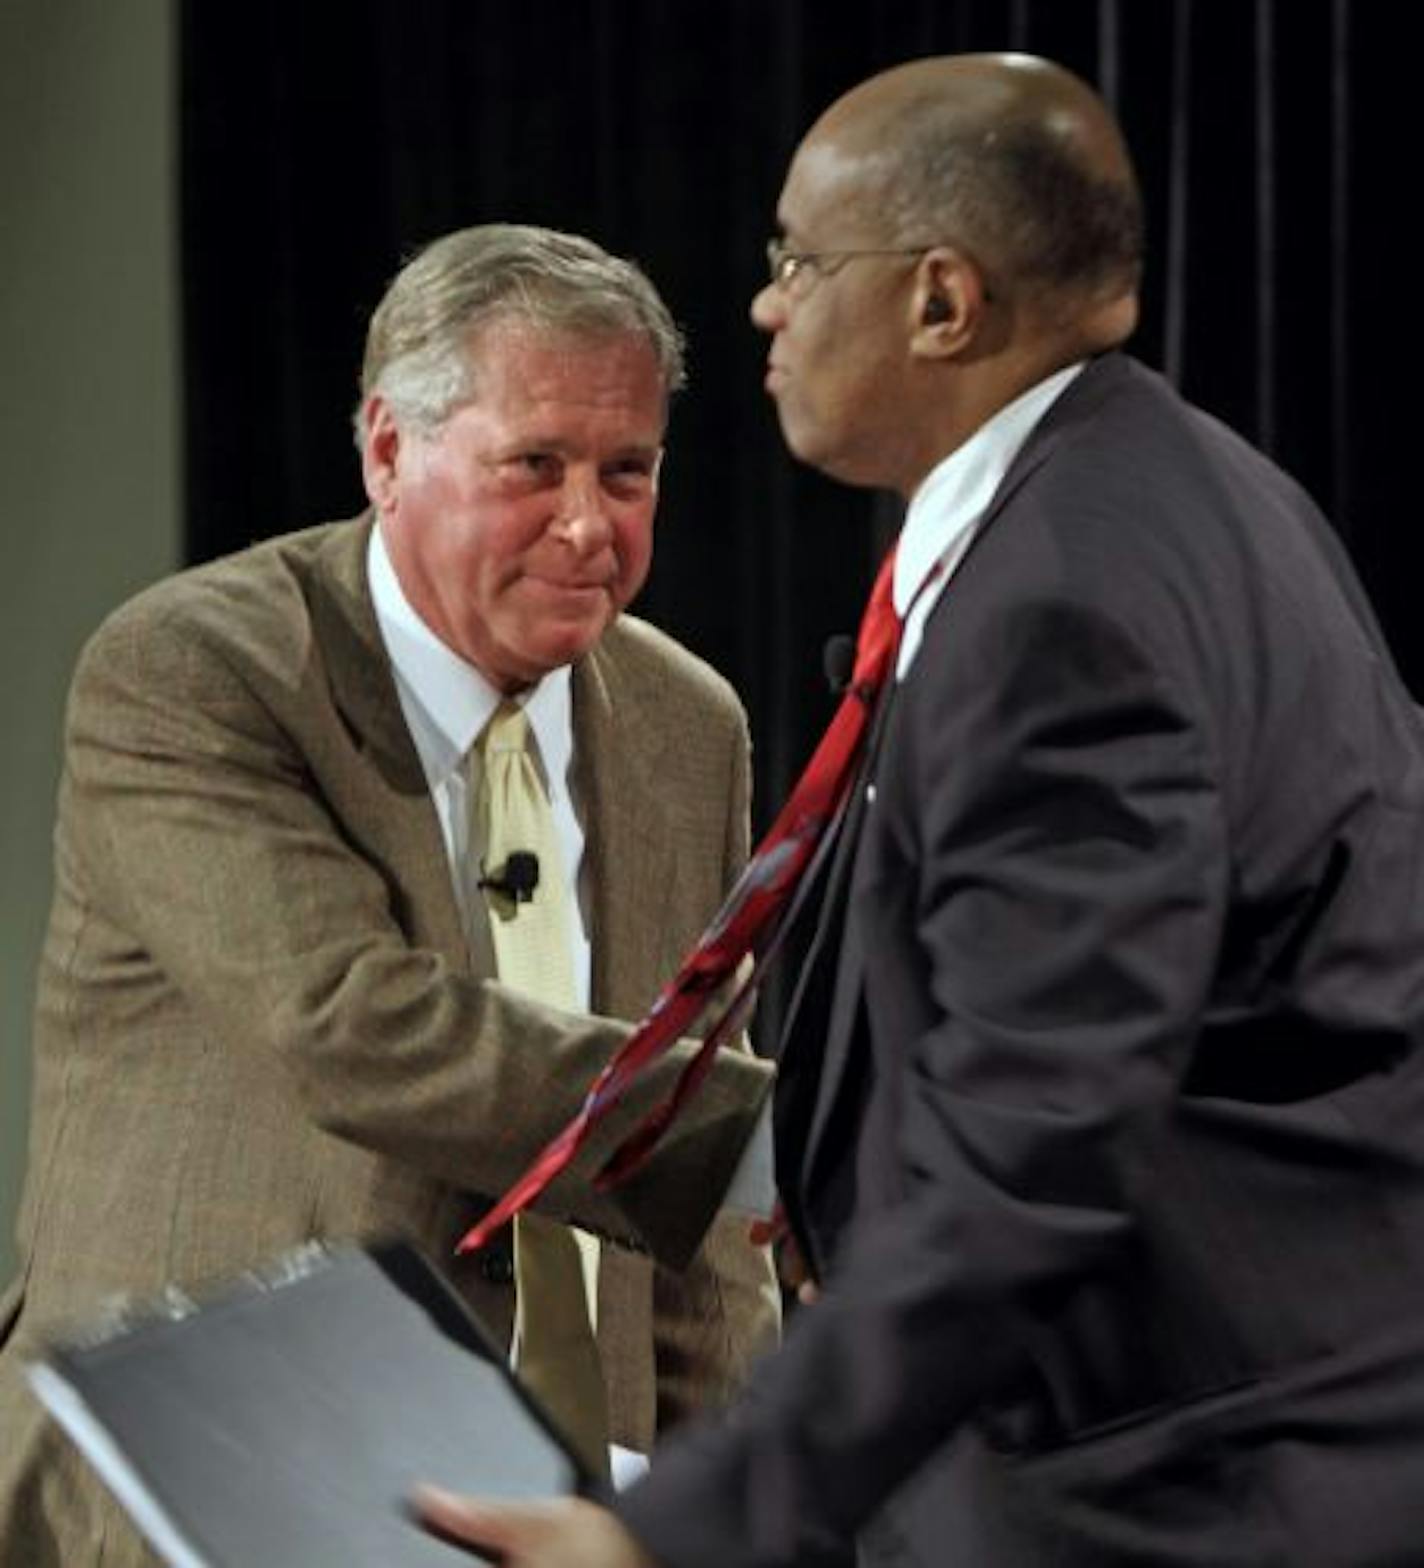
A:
[322,144]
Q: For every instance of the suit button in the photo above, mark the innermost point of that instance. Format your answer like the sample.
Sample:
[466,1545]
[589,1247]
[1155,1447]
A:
[496,1268]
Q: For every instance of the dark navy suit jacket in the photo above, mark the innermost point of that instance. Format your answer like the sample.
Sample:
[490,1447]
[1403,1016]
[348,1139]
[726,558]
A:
[1101,1112]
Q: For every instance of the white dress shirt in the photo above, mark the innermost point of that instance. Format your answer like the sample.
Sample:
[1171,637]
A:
[447,702]
[945,512]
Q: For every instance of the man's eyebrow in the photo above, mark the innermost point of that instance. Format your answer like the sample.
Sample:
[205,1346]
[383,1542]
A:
[560,447]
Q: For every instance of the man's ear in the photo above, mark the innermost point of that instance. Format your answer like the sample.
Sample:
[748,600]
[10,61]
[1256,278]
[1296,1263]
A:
[947,303]
[381,439]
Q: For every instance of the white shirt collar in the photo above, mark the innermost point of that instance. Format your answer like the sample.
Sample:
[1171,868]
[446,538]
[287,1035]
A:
[446,700]
[953,497]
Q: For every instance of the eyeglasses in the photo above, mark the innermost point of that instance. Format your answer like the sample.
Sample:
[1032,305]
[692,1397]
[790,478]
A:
[787,265]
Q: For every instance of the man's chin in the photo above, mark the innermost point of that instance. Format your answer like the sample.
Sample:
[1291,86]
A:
[559,648]
[816,451]
[802,439]
[516,665]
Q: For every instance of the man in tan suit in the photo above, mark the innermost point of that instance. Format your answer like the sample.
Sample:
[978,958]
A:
[264,1012]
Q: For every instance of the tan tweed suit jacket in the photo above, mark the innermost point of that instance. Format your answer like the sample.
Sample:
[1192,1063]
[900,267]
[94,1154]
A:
[256,1020]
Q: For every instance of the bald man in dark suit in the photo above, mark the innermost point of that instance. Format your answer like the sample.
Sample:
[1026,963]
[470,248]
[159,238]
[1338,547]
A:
[1100,1115]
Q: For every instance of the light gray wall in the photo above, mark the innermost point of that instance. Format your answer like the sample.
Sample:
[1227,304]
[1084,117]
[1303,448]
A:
[88,415]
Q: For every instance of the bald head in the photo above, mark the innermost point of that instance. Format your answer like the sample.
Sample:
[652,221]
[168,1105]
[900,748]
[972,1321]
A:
[953,231]
[1012,157]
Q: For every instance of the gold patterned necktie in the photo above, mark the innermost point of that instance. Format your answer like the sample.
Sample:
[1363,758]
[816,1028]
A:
[530,923]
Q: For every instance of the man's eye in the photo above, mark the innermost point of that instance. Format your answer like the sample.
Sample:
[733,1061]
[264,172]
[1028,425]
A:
[634,471]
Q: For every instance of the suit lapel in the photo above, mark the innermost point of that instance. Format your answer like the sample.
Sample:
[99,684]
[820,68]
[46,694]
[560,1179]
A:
[802,1078]
[364,691]
[357,666]
[628,859]
[840,978]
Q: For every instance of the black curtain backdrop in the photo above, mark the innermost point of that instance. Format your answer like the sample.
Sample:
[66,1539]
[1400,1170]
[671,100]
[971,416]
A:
[322,143]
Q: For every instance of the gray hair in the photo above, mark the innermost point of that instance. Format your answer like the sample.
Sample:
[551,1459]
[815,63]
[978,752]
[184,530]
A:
[421,354]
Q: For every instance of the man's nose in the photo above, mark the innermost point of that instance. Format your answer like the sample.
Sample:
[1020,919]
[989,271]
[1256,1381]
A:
[768,310]
[583,516]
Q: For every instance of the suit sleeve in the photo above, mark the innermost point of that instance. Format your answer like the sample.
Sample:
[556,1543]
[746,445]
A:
[714,1319]
[1057,796]
[193,821]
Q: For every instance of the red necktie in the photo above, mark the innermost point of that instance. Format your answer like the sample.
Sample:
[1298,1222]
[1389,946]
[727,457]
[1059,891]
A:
[750,913]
